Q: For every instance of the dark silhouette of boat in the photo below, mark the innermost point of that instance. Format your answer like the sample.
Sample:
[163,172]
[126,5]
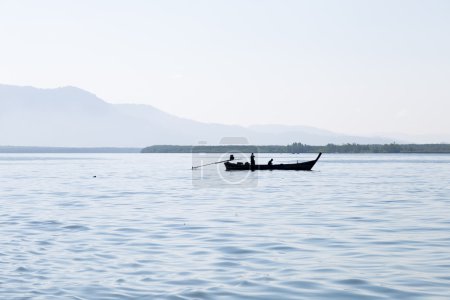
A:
[302,166]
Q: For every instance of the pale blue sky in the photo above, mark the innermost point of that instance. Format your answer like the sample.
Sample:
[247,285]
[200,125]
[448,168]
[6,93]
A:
[358,67]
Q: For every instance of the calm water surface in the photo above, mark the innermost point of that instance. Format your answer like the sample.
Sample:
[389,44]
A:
[147,227]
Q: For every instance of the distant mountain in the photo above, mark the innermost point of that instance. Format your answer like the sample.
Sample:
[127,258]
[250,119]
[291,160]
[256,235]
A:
[72,117]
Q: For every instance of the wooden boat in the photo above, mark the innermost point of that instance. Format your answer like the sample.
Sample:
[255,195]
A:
[302,166]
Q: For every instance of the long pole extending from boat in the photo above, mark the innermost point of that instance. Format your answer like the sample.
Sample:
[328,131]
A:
[214,163]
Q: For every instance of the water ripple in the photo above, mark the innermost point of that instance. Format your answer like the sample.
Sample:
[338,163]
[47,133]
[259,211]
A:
[360,227]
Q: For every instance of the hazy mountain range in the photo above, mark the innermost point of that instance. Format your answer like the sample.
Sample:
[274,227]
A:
[72,117]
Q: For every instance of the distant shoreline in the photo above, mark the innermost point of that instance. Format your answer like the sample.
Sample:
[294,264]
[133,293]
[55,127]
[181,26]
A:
[292,148]
[301,148]
[32,149]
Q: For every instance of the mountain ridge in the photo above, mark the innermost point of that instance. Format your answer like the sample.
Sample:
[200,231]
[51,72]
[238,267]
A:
[72,117]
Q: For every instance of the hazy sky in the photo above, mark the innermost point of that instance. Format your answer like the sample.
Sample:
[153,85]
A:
[358,67]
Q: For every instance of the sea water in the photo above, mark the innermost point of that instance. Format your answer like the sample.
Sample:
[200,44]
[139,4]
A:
[147,226]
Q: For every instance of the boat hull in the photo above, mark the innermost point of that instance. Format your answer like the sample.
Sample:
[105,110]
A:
[303,166]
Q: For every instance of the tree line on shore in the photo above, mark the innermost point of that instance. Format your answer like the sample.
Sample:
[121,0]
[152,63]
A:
[302,148]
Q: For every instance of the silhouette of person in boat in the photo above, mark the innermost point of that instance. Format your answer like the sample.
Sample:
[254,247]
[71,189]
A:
[270,162]
[252,160]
